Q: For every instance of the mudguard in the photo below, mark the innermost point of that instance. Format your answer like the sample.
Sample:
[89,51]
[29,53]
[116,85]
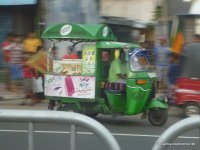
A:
[155,103]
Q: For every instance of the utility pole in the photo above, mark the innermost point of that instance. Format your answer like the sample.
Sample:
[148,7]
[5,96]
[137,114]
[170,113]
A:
[162,18]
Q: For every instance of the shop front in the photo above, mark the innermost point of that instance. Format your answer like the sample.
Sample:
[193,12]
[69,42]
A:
[17,17]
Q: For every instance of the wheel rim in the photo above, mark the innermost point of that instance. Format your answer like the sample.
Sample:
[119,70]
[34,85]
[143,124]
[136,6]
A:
[156,116]
[192,111]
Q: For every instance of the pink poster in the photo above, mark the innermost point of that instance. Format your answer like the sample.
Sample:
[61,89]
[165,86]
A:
[70,86]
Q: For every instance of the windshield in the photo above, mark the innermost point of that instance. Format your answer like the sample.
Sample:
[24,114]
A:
[139,61]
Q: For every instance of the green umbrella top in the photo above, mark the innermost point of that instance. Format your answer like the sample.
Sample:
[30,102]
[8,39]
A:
[113,44]
[87,32]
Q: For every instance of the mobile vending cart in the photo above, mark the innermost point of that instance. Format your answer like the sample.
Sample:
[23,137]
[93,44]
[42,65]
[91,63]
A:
[80,84]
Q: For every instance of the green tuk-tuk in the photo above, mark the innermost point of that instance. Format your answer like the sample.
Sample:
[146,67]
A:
[82,85]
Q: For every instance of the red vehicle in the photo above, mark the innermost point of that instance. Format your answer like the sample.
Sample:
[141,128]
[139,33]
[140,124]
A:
[187,91]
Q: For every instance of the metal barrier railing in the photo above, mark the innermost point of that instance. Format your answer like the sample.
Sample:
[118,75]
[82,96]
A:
[175,130]
[74,119]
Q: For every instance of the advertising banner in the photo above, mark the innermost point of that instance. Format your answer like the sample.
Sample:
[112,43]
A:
[89,58]
[68,67]
[70,86]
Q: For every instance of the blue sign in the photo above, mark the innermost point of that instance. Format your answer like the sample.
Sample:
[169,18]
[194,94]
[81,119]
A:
[17,2]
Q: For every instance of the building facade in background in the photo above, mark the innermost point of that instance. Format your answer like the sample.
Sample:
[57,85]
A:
[68,11]
[129,19]
[17,17]
[71,11]
[131,9]
[188,13]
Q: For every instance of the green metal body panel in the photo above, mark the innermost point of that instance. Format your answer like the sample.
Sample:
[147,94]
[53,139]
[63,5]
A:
[89,32]
[117,102]
[98,74]
[137,95]
[113,45]
[157,104]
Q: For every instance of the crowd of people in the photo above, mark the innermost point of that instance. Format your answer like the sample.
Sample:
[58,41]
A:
[22,73]
[15,51]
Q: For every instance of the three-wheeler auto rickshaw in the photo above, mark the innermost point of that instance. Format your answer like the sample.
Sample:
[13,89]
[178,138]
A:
[80,84]
[187,90]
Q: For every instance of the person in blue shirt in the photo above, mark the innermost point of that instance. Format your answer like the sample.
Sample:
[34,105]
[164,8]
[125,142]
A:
[161,53]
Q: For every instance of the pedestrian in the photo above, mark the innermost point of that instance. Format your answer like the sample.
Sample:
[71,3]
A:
[27,77]
[38,83]
[161,53]
[13,57]
[31,43]
[5,49]
[16,59]
[173,72]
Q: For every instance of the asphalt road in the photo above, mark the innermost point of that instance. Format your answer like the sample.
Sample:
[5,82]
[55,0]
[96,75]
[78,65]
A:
[132,133]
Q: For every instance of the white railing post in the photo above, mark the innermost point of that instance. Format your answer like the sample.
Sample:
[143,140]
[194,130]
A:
[31,136]
[60,117]
[175,130]
[73,137]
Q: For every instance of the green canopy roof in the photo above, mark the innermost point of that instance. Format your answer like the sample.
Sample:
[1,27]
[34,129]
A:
[90,32]
[112,44]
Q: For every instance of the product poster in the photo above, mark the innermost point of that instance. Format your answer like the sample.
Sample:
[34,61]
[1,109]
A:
[70,86]
[68,67]
[89,58]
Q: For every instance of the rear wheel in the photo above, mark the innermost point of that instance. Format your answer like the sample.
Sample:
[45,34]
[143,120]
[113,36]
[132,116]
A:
[69,108]
[51,105]
[191,109]
[92,115]
[157,116]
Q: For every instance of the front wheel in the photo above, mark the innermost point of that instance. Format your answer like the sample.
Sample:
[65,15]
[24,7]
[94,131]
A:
[191,109]
[157,116]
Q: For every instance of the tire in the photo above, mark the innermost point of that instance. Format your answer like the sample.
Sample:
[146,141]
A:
[92,115]
[157,116]
[69,108]
[191,109]
[51,105]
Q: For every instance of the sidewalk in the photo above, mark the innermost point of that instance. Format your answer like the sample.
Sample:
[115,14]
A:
[7,95]
[12,100]
[15,104]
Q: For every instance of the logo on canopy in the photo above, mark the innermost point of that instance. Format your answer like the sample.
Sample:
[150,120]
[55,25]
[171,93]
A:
[66,29]
[105,31]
